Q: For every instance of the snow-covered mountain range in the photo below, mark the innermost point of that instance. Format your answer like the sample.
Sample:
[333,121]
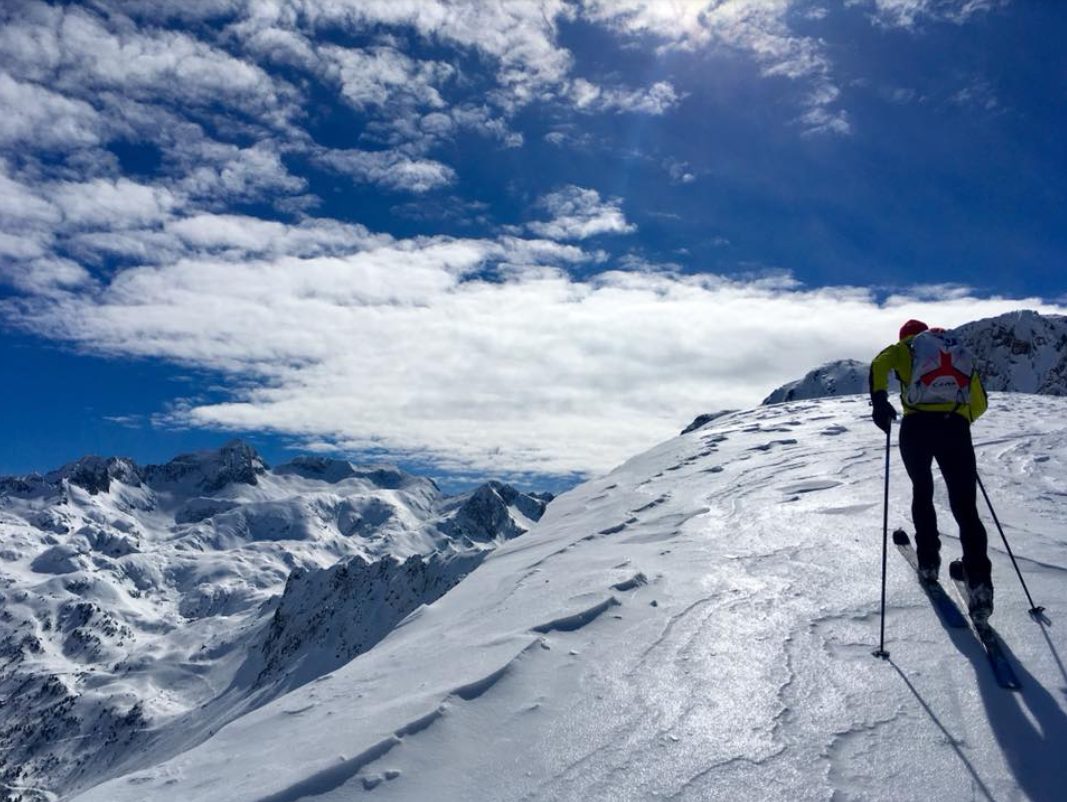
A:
[1023,352]
[695,625]
[142,607]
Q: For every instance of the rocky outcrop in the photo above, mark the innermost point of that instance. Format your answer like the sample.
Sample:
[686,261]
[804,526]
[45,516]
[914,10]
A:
[210,471]
[1022,352]
[489,513]
[327,617]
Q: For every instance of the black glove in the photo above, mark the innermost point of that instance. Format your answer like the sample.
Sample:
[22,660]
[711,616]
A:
[883,413]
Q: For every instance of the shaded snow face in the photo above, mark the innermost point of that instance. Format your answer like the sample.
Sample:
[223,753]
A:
[697,624]
[139,605]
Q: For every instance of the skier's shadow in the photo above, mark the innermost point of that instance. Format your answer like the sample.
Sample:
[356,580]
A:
[1030,725]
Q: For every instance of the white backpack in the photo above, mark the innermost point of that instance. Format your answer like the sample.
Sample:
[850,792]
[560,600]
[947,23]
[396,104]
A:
[941,369]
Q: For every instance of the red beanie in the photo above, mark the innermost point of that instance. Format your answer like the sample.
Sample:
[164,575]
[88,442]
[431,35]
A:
[912,327]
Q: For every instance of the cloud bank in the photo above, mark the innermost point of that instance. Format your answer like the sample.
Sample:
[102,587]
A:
[482,355]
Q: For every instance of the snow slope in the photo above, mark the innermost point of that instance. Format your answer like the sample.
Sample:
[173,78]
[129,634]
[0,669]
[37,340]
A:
[696,625]
[143,607]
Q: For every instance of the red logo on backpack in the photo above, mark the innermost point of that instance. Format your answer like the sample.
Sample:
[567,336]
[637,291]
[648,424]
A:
[941,370]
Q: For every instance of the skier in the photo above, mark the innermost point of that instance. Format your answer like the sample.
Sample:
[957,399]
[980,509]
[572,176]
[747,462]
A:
[942,395]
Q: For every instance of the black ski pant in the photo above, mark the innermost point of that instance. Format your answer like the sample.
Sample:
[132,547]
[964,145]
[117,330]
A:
[945,437]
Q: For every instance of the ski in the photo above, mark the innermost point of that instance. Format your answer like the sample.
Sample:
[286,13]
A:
[987,636]
[945,608]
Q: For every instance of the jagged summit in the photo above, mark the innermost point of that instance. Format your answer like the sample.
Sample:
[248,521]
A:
[95,474]
[1022,351]
[210,470]
[493,511]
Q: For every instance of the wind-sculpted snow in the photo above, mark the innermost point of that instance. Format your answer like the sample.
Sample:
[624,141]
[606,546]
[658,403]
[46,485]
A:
[697,633]
[141,608]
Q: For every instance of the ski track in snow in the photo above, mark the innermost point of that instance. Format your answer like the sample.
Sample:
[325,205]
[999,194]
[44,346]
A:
[671,633]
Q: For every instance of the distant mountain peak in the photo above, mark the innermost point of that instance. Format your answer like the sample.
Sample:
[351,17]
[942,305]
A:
[95,474]
[488,513]
[210,470]
[841,377]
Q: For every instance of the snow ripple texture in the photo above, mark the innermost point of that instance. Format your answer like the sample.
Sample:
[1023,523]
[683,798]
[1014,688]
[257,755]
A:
[697,625]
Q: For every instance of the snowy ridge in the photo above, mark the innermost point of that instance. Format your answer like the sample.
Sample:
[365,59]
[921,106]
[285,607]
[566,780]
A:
[697,624]
[844,377]
[139,606]
[1023,352]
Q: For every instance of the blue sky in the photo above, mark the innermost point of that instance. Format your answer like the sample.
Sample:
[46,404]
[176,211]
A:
[498,238]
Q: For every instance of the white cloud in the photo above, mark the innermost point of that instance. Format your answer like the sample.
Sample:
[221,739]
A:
[37,116]
[681,172]
[248,236]
[74,51]
[909,13]
[378,75]
[758,28]
[979,93]
[392,169]
[762,29]
[657,99]
[401,345]
[46,277]
[578,213]
[217,173]
[116,204]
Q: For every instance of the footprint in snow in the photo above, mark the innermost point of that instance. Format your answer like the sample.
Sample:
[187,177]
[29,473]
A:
[833,431]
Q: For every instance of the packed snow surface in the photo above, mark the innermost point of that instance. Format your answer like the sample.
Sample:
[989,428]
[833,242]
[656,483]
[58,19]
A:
[696,625]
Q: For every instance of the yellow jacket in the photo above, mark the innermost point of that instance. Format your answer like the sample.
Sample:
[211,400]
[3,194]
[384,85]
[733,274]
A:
[897,357]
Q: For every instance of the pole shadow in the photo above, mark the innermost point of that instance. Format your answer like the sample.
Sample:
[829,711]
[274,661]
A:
[953,742]
[1030,725]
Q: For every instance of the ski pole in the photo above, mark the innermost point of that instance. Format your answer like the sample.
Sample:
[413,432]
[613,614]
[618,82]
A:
[1035,611]
[880,651]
